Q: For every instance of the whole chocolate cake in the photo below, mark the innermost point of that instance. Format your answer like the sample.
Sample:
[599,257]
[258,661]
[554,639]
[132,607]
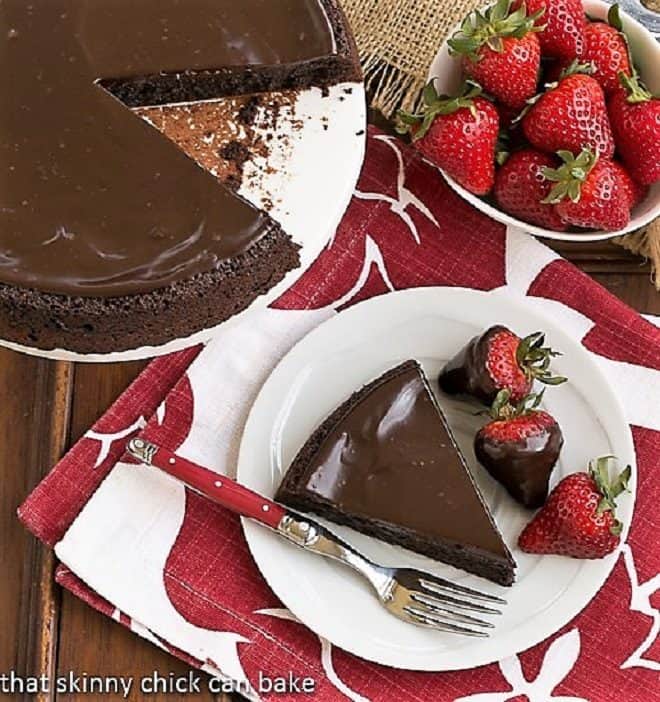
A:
[110,236]
[386,463]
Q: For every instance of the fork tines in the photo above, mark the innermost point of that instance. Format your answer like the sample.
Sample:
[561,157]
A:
[440,604]
[435,584]
[444,622]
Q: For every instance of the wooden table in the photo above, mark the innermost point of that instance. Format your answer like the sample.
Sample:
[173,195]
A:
[46,406]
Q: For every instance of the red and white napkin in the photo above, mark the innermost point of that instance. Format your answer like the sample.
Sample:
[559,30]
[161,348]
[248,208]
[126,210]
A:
[175,568]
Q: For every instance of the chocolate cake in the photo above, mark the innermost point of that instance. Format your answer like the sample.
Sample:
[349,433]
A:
[110,236]
[386,463]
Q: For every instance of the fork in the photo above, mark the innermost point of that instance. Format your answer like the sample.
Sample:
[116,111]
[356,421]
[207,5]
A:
[412,595]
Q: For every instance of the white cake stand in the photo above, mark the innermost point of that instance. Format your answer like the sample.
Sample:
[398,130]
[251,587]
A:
[305,183]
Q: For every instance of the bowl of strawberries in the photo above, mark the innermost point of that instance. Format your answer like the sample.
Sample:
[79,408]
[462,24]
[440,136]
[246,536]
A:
[542,114]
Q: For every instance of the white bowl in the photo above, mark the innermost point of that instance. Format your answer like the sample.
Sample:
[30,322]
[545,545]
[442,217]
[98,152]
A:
[646,53]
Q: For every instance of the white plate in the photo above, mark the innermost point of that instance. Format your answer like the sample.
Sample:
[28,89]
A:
[430,324]
[646,53]
[313,165]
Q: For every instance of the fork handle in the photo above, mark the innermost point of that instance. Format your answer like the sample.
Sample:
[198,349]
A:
[218,488]
[297,528]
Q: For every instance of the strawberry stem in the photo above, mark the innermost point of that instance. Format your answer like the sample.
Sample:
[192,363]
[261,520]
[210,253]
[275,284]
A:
[599,469]
[569,176]
[575,67]
[500,404]
[614,18]
[434,105]
[636,91]
[502,407]
[534,359]
[489,28]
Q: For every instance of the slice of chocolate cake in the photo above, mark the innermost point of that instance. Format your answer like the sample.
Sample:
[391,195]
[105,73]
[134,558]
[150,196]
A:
[111,237]
[386,463]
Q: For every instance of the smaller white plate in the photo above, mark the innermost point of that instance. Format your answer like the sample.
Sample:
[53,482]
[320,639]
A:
[431,325]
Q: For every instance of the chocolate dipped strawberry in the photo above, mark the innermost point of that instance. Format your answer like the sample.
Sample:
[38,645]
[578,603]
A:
[496,360]
[519,447]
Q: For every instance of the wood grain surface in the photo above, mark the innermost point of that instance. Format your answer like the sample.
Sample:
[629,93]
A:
[44,407]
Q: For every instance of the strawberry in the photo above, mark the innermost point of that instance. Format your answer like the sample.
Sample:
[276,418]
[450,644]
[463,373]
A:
[570,115]
[606,49]
[520,187]
[578,519]
[501,52]
[635,116]
[563,23]
[496,360]
[589,192]
[457,134]
[520,447]
[635,192]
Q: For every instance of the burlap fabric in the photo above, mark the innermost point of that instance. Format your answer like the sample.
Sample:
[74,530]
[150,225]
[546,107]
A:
[398,39]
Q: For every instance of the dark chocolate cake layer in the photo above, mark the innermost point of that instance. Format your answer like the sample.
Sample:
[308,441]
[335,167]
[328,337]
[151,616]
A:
[385,463]
[98,210]
[105,325]
[328,68]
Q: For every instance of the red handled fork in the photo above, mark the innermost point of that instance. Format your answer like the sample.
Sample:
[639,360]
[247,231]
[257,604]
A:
[411,595]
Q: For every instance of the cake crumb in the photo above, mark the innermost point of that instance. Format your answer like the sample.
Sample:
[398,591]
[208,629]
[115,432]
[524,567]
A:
[224,136]
[248,112]
[235,151]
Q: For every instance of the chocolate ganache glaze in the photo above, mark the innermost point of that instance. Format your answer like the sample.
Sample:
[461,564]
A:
[523,467]
[386,463]
[467,373]
[93,200]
